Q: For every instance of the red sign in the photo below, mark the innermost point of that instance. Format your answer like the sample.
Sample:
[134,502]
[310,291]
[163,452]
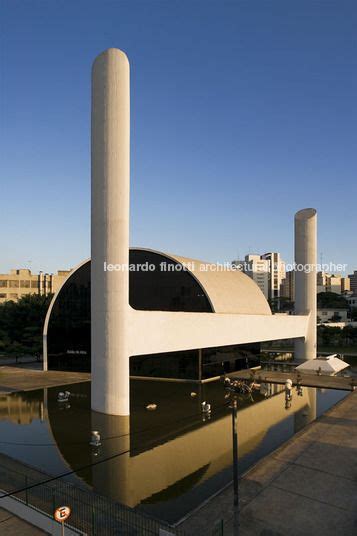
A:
[62,513]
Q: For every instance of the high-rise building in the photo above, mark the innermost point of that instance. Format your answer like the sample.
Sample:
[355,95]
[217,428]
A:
[21,282]
[268,271]
[287,289]
[333,283]
[345,285]
[322,278]
[276,273]
[353,282]
[258,269]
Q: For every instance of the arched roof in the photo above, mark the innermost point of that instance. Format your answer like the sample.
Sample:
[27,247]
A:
[229,291]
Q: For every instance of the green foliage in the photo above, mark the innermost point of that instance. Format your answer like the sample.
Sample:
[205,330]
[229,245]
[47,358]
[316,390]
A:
[333,336]
[21,325]
[353,314]
[327,300]
[281,305]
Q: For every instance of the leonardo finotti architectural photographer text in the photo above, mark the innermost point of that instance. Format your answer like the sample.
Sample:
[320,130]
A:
[219,267]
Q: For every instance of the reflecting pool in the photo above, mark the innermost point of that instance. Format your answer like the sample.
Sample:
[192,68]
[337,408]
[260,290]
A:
[166,461]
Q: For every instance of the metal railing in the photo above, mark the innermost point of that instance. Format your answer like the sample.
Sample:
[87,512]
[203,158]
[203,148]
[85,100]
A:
[92,514]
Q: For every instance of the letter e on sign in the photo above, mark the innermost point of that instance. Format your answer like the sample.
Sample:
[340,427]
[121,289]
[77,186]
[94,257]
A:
[62,513]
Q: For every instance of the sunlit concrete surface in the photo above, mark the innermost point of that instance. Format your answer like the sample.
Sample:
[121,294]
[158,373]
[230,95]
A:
[114,325]
[306,487]
[305,280]
[18,379]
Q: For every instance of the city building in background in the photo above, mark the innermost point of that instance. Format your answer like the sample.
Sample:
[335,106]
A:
[258,269]
[276,273]
[287,289]
[353,282]
[333,283]
[352,301]
[22,282]
[268,272]
[332,314]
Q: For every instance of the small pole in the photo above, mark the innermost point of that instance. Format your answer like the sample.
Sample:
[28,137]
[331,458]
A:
[62,528]
[234,407]
[235,450]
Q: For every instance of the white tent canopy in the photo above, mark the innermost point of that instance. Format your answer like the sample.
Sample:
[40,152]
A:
[328,365]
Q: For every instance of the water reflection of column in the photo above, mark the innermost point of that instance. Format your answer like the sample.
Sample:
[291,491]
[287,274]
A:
[308,412]
[112,477]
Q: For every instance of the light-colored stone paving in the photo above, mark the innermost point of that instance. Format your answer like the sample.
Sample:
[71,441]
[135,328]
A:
[306,487]
[20,379]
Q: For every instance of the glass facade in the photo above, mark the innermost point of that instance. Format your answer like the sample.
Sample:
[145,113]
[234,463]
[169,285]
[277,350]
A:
[196,364]
[156,283]
[68,335]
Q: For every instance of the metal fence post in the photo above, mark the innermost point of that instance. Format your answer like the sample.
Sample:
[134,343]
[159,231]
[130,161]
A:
[93,521]
[26,490]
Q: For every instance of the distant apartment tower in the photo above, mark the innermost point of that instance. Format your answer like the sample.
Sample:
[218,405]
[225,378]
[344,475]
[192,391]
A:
[276,273]
[332,283]
[21,282]
[258,269]
[287,289]
[268,271]
[353,282]
[322,278]
[345,285]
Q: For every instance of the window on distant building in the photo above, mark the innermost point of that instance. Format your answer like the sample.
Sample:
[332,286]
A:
[14,284]
[3,283]
[25,284]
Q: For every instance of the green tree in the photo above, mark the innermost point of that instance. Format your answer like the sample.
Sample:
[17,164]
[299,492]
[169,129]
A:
[327,300]
[21,325]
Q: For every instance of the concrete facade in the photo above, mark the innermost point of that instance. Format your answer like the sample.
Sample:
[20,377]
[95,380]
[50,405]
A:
[276,273]
[114,324]
[258,269]
[110,231]
[22,282]
[305,279]
[287,289]
[353,282]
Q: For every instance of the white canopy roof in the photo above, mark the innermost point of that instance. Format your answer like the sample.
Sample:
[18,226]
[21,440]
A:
[328,365]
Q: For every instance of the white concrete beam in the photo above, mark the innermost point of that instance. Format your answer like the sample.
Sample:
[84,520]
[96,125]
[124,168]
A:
[157,331]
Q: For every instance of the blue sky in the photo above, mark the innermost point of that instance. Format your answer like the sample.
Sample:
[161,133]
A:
[243,112]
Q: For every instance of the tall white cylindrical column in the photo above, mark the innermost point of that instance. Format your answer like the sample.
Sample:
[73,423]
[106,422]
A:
[110,232]
[305,279]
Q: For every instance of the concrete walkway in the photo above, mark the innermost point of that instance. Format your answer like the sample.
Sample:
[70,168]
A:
[306,487]
[18,379]
[11,525]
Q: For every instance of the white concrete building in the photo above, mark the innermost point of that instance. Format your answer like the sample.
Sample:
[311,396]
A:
[353,282]
[332,283]
[332,313]
[210,311]
[259,270]
[277,273]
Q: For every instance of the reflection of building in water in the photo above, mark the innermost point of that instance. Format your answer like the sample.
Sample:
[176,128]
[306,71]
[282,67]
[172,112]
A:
[307,413]
[20,409]
[169,451]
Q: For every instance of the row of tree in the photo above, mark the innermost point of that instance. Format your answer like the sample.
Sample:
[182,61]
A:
[325,300]
[337,337]
[21,325]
